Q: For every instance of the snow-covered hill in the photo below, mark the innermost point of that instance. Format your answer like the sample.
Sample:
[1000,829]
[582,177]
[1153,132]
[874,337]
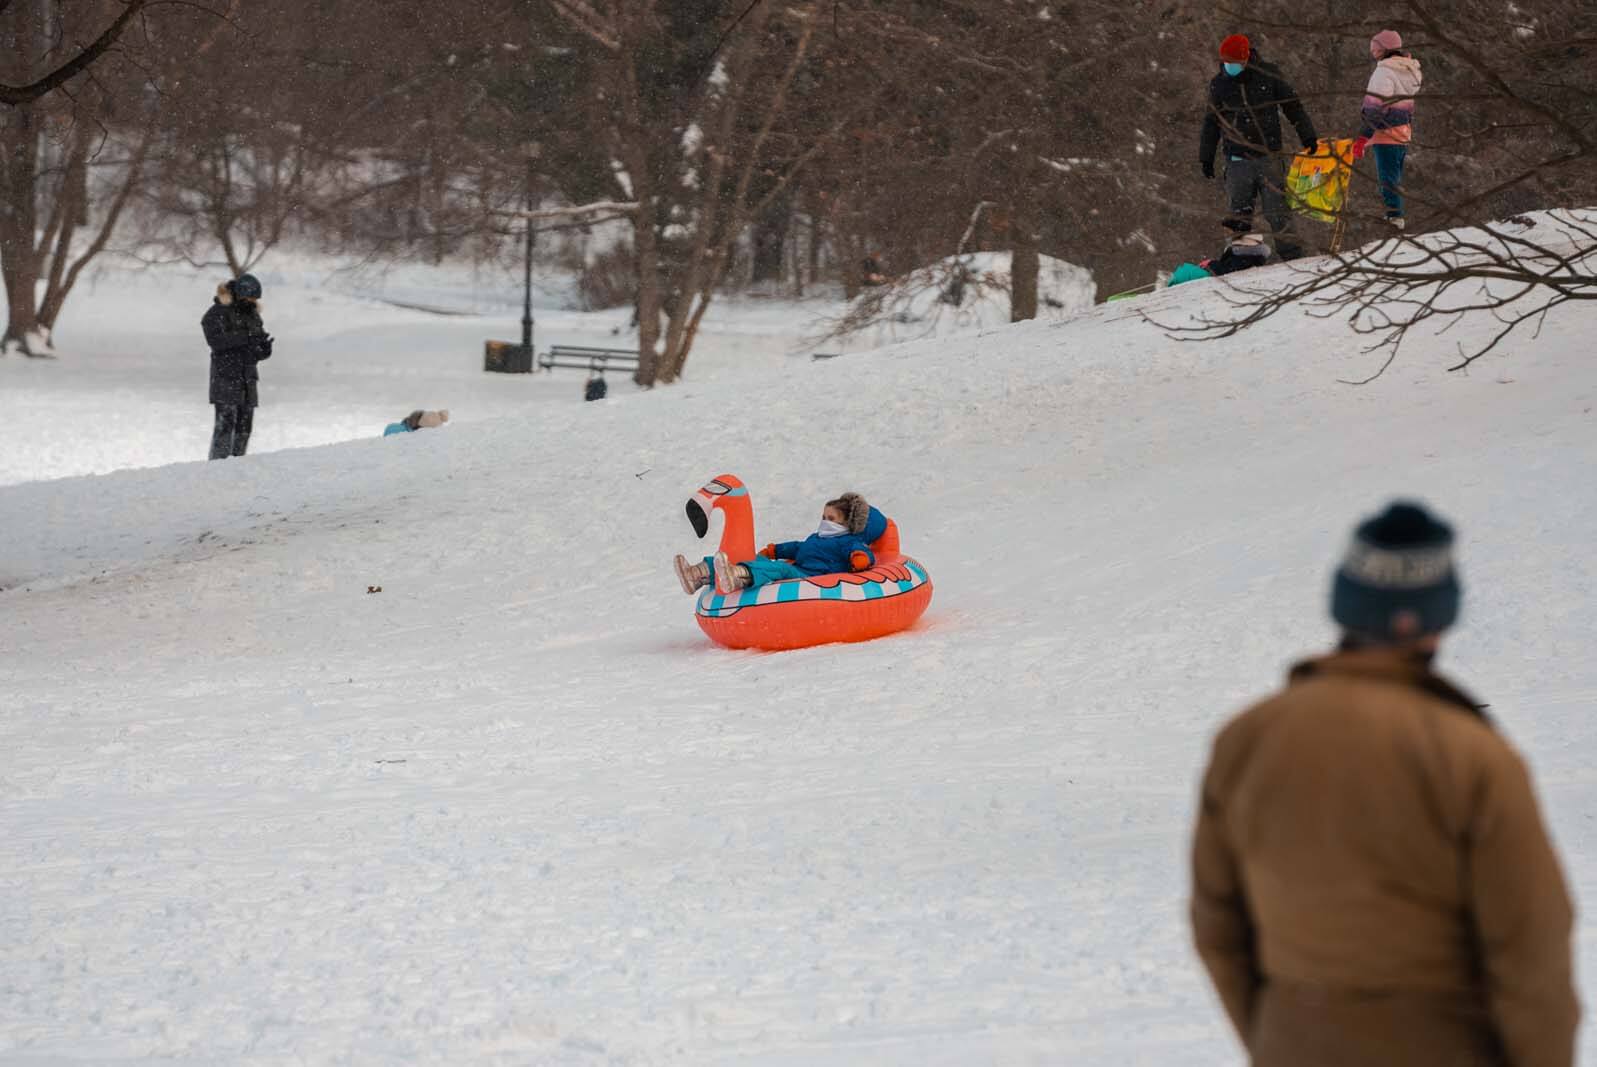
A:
[515,809]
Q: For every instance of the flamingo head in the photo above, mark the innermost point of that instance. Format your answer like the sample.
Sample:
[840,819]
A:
[718,492]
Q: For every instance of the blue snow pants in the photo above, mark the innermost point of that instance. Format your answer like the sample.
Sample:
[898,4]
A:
[764,571]
[1389,168]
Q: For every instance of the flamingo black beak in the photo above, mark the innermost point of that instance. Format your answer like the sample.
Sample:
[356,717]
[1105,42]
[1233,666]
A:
[696,515]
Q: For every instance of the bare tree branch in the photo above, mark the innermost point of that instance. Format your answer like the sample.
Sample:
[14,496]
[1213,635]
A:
[1388,290]
[14,95]
[585,19]
[614,208]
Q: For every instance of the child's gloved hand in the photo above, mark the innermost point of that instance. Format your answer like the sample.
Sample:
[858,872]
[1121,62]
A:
[769,551]
[859,559]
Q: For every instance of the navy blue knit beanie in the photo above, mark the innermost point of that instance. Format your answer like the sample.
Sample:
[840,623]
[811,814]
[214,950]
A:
[1399,564]
[247,287]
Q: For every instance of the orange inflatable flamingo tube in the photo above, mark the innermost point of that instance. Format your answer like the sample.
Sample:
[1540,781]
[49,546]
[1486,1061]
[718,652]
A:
[801,612]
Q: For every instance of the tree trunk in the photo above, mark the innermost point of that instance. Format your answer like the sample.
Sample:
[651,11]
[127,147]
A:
[1333,51]
[78,183]
[1024,266]
[19,221]
[60,286]
[680,327]
[851,252]
[647,247]
[22,324]
[70,210]
[770,240]
[795,266]
[813,252]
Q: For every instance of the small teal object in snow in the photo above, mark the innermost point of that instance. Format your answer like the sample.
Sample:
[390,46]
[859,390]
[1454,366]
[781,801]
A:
[1187,272]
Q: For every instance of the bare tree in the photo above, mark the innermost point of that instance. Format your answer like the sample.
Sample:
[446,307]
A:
[92,176]
[695,101]
[231,185]
[70,154]
[1066,125]
[381,128]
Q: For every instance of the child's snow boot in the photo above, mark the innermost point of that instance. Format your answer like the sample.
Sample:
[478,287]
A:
[729,578]
[693,576]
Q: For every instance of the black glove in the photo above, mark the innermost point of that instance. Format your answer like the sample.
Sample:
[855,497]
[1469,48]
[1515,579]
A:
[263,348]
[1208,168]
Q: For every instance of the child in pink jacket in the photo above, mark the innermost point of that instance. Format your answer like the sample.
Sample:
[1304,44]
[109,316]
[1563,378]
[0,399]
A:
[1389,117]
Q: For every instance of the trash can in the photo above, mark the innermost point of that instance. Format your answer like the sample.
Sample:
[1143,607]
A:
[506,357]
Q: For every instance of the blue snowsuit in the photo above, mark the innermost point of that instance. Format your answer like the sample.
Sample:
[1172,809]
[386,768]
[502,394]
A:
[815,554]
[395,427]
[830,555]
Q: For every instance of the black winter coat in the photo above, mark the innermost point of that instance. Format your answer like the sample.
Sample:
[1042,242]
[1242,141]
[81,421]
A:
[1242,111]
[238,341]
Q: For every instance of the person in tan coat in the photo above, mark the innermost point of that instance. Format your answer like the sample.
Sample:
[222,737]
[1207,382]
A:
[1372,884]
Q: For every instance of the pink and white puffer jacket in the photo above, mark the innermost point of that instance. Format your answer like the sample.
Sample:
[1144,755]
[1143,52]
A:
[1389,100]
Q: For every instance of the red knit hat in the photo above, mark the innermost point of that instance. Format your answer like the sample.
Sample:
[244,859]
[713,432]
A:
[1236,49]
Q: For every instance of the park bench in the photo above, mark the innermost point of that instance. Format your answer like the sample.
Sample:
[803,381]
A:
[583,357]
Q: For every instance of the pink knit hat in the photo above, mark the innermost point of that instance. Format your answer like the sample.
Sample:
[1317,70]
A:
[1384,42]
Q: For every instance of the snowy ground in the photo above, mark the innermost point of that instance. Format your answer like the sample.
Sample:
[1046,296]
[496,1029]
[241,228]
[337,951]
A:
[515,809]
[129,387]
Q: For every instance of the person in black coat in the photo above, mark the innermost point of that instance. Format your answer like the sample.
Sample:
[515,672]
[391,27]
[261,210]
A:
[1241,253]
[238,342]
[1244,99]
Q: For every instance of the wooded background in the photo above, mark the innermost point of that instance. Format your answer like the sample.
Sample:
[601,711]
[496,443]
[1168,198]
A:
[769,144]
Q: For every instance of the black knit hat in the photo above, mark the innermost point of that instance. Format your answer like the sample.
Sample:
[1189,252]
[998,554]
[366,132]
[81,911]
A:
[247,287]
[1399,564]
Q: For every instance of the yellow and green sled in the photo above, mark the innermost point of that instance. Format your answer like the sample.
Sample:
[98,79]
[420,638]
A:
[1317,183]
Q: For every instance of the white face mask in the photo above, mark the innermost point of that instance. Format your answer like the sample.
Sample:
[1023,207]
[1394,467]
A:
[828,528]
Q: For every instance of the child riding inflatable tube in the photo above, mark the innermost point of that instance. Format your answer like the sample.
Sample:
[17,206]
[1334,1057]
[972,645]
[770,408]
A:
[889,595]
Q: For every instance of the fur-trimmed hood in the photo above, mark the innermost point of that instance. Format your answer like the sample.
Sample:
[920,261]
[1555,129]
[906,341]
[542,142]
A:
[857,509]
[224,296]
[864,521]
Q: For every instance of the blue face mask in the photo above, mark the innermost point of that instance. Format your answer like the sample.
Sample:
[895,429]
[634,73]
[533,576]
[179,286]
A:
[1233,69]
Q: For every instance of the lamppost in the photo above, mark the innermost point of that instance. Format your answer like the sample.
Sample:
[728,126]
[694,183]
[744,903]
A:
[533,149]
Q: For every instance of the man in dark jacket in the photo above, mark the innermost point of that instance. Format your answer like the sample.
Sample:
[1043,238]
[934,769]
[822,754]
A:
[1243,99]
[238,342]
[1372,882]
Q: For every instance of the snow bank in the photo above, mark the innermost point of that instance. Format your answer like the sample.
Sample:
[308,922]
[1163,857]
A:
[958,296]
